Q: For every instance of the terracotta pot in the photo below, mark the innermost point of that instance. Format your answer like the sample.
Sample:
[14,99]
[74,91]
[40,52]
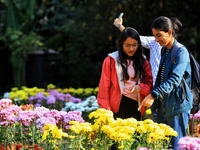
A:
[36,147]
[18,146]
[1,147]
[12,147]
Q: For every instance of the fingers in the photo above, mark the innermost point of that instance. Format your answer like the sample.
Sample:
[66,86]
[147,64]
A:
[136,89]
[133,89]
[141,104]
[139,107]
[116,22]
[146,102]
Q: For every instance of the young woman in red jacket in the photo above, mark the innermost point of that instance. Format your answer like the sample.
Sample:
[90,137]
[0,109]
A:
[126,77]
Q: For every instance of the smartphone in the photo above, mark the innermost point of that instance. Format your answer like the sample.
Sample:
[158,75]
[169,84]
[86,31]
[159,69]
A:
[120,15]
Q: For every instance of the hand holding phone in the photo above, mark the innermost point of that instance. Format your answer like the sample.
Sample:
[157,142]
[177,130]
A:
[120,20]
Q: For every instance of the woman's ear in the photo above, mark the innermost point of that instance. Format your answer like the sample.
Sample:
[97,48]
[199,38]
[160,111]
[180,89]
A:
[170,32]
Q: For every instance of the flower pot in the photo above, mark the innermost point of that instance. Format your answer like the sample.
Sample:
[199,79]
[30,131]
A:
[1,147]
[12,147]
[18,146]
[36,147]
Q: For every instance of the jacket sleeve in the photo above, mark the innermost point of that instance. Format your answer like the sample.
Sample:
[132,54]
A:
[104,85]
[147,81]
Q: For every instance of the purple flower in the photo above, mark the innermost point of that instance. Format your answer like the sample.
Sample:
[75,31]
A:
[40,122]
[196,116]
[57,95]
[31,99]
[39,98]
[189,143]
[40,111]
[62,114]
[51,99]
[142,148]
[72,116]
[5,103]
[70,98]
[26,117]
[55,114]
[7,116]
[14,109]
[75,100]
[38,105]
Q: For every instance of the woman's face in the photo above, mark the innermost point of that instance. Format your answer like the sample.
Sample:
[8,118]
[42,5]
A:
[162,37]
[130,46]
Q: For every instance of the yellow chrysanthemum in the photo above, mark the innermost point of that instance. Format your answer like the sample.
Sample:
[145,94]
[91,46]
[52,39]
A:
[101,112]
[95,127]
[53,131]
[107,129]
[14,89]
[130,122]
[148,121]
[75,129]
[57,133]
[51,86]
[127,130]
[148,111]
[142,129]
[44,135]
[83,127]
[71,136]
[168,130]
[48,127]
[118,136]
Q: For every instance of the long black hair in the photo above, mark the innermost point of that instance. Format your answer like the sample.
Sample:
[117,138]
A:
[137,58]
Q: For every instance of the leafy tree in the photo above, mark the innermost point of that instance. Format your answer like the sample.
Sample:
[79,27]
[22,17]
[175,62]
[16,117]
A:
[19,35]
[82,31]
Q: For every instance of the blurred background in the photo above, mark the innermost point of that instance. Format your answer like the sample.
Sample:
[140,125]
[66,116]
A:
[64,42]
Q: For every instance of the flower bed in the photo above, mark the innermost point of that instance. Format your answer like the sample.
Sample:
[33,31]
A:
[67,99]
[34,117]
[52,129]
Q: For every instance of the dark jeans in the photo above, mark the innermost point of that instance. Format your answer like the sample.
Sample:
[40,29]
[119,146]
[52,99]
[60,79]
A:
[178,122]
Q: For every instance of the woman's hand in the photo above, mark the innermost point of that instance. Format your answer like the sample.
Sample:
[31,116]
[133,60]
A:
[117,22]
[147,101]
[136,89]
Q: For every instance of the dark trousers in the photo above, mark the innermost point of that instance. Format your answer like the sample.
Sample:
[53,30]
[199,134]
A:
[127,109]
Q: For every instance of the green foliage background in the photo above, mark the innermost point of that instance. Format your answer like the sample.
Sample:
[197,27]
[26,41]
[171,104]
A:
[82,31]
